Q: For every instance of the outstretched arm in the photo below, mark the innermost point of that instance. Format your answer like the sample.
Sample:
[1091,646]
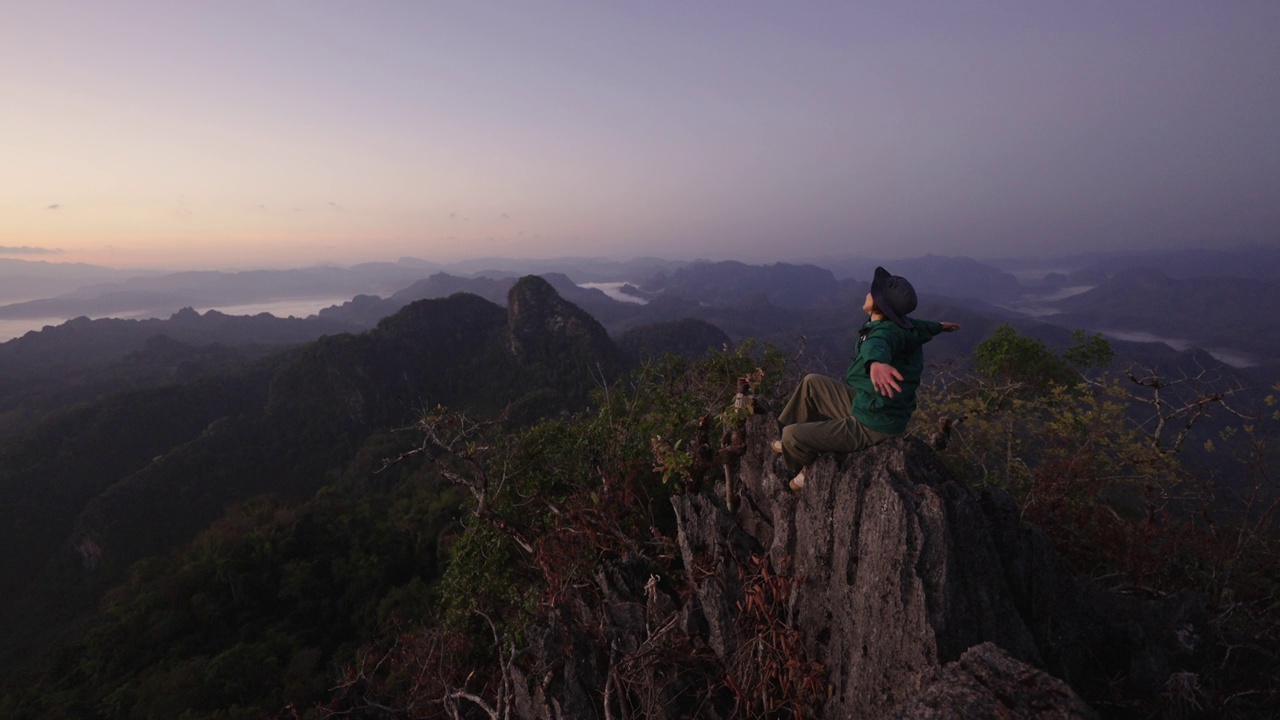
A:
[885,377]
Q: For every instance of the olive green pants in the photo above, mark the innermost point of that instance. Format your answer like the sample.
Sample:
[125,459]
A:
[817,420]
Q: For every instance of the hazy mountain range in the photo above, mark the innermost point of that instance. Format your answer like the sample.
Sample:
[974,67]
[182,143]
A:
[1226,307]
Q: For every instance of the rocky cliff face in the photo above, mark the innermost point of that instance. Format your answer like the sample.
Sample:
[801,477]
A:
[556,344]
[896,590]
[536,314]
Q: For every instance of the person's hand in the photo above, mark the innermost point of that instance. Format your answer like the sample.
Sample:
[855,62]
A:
[884,378]
[949,327]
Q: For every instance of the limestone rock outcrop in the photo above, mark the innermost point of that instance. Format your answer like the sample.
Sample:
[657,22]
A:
[986,683]
[541,322]
[912,594]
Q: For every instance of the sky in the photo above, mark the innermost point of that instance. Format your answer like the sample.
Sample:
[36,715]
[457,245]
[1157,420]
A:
[270,134]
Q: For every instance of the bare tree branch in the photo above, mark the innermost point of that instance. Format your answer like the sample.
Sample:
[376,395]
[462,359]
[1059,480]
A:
[1179,402]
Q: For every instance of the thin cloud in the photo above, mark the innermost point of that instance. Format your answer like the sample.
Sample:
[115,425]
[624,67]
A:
[55,206]
[27,250]
[506,216]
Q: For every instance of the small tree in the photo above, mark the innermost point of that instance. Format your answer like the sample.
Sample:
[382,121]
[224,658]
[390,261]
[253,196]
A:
[1008,358]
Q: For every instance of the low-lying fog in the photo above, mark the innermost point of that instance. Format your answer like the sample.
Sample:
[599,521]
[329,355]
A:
[294,307]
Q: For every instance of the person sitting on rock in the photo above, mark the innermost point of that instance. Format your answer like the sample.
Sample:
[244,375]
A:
[878,394]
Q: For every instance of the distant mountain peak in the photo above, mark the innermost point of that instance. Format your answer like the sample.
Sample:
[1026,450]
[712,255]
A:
[535,310]
[555,341]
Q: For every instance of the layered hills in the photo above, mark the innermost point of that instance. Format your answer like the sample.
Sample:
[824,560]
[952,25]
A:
[138,473]
[779,302]
[1218,311]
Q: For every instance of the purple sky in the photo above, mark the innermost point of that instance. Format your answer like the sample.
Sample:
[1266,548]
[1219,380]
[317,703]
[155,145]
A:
[234,134]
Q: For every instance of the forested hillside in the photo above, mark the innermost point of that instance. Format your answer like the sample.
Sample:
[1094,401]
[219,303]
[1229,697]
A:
[92,489]
[472,510]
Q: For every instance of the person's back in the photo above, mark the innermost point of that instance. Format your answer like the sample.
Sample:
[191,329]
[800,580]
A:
[889,414]
[878,396]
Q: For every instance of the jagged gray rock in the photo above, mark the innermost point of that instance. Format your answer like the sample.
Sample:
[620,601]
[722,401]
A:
[715,551]
[986,683]
[919,597]
[900,570]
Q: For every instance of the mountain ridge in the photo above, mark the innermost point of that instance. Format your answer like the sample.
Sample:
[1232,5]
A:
[299,415]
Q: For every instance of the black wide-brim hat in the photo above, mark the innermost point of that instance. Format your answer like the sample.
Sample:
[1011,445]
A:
[894,297]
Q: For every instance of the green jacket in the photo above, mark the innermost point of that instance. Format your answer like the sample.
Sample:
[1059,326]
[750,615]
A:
[884,341]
